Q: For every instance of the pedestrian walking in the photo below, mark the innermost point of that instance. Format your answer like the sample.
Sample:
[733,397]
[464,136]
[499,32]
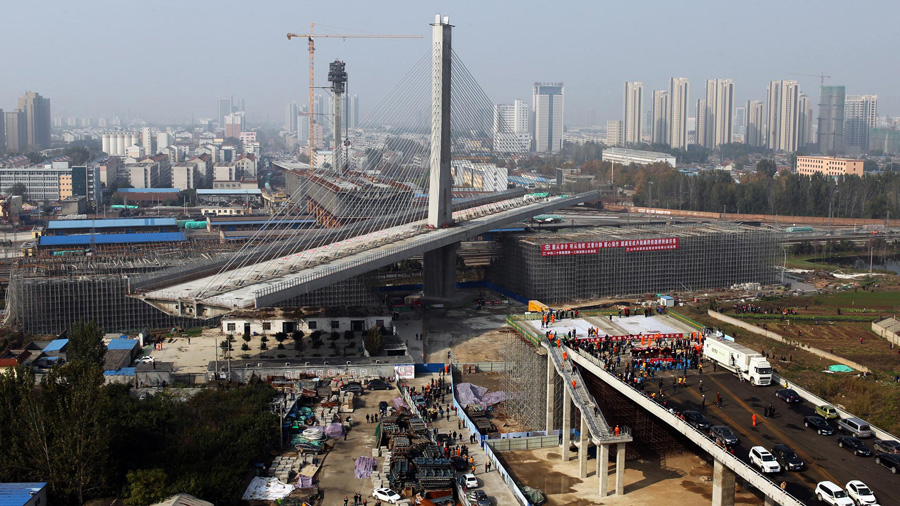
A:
[754,419]
[367,418]
[703,402]
[346,500]
[718,400]
[701,386]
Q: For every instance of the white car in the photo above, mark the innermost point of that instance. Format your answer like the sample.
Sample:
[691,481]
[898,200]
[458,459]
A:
[469,481]
[860,493]
[145,360]
[386,494]
[829,493]
[765,461]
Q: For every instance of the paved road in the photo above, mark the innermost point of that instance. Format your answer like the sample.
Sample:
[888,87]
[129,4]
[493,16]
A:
[824,459]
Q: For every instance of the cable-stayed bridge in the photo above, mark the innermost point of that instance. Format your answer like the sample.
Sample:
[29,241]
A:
[421,173]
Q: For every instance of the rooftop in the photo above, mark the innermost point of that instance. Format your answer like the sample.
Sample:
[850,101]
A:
[122,344]
[85,239]
[17,494]
[57,345]
[248,191]
[147,190]
[111,223]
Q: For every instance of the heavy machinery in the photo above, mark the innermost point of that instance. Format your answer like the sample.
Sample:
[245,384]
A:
[747,364]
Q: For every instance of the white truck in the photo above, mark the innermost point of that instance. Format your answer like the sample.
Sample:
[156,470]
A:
[749,365]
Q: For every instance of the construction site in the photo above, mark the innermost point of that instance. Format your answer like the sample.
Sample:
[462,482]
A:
[618,261]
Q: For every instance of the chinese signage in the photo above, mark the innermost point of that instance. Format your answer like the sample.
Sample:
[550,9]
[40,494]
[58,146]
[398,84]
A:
[591,248]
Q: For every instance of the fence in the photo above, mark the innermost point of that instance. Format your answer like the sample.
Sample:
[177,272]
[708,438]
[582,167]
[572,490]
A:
[523,443]
[487,366]
[489,453]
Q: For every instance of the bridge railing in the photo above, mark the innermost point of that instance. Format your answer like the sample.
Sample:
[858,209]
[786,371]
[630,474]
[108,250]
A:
[749,473]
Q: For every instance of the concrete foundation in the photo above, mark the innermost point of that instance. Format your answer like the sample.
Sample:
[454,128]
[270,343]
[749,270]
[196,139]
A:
[439,272]
[723,485]
[620,468]
[603,469]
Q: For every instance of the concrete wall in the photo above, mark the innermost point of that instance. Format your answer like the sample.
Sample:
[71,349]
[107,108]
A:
[777,337]
[324,324]
[806,220]
[242,371]
[886,329]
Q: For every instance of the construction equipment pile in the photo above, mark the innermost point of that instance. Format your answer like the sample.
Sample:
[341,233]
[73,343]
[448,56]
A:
[412,461]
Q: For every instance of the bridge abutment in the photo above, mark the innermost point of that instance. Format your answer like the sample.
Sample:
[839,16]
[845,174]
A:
[723,485]
[603,469]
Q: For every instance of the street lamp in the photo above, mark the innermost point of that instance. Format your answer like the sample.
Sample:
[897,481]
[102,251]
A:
[651,194]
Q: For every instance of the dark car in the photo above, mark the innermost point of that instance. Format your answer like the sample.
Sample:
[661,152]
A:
[723,435]
[459,463]
[697,419]
[818,424]
[443,438]
[377,384]
[352,387]
[886,446]
[889,460]
[479,498]
[383,407]
[787,395]
[855,445]
[787,458]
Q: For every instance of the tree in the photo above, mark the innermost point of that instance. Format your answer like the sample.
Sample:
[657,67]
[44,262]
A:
[374,341]
[86,343]
[767,167]
[297,336]
[870,165]
[146,487]
[18,189]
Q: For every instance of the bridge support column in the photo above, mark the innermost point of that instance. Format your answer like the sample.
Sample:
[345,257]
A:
[723,485]
[770,501]
[603,469]
[583,443]
[620,468]
[566,425]
[440,180]
[551,395]
[440,273]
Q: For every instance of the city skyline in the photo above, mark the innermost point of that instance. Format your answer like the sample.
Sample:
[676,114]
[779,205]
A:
[179,92]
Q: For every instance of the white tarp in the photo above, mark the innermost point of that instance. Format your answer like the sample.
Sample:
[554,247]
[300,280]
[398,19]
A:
[267,489]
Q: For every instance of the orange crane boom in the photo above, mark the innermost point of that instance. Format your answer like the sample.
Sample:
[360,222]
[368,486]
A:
[311,45]
[821,76]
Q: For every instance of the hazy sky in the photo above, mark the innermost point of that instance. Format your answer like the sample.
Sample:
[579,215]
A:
[166,60]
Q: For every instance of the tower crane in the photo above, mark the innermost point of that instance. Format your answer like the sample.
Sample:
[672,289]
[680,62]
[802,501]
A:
[310,37]
[821,77]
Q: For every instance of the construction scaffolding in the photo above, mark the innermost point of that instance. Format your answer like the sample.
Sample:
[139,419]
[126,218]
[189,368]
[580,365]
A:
[525,383]
[636,260]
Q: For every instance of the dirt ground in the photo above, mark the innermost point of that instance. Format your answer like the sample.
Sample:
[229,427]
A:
[484,347]
[842,338]
[680,480]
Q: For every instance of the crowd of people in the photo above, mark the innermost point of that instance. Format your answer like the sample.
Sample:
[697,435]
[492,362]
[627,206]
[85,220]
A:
[755,309]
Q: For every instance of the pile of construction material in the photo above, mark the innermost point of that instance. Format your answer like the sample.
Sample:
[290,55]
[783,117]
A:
[412,461]
[283,466]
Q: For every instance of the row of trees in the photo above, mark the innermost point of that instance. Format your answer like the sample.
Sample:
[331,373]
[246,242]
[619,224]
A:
[88,439]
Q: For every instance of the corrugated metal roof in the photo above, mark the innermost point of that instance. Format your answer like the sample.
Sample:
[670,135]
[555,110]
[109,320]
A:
[261,222]
[147,190]
[57,345]
[248,191]
[84,239]
[18,494]
[122,344]
[125,371]
[111,223]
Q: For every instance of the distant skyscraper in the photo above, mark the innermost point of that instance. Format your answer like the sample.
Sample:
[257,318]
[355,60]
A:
[804,137]
[831,120]
[754,134]
[225,108]
[16,136]
[714,120]
[783,116]
[37,119]
[634,100]
[354,111]
[679,90]
[2,131]
[615,134]
[147,141]
[701,131]
[511,127]
[303,125]
[548,104]
[290,117]
[233,124]
[659,121]
[860,112]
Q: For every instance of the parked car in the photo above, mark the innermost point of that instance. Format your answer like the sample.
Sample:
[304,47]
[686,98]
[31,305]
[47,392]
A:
[697,419]
[723,435]
[855,427]
[145,360]
[889,460]
[787,395]
[860,493]
[352,387]
[829,493]
[383,407]
[765,461]
[787,458]
[827,411]
[386,494]
[468,480]
[443,438]
[886,446]
[855,445]
[818,424]
[377,384]
[459,463]
[478,498]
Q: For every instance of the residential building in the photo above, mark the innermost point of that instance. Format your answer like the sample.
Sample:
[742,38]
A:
[147,141]
[740,121]
[679,90]
[226,171]
[548,104]
[860,112]
[485,177]
[191,174]
[108,167]
[246,166]
[755,134]
[783,123]
[163,141]
[831,120]
[701,115]
[804,137]
[42,183]
[886,140]
[37,120]
[715,114]
[511,127]
[291,117]
[633,104]
[2,131]
[16,132]
[225,107]
[659,122]
[628,156]
[829,166]
[615,133]
[233,124]
[152,172]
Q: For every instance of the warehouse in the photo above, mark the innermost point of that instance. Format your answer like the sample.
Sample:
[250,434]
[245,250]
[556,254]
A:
[626,261]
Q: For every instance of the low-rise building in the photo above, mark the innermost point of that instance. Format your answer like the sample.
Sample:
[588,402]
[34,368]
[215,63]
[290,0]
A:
[23,494]
[636,156]
[270,321]
[829,166]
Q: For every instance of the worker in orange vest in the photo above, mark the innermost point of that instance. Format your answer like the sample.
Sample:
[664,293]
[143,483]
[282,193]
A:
[754,419]
[616,430]
[573,383]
